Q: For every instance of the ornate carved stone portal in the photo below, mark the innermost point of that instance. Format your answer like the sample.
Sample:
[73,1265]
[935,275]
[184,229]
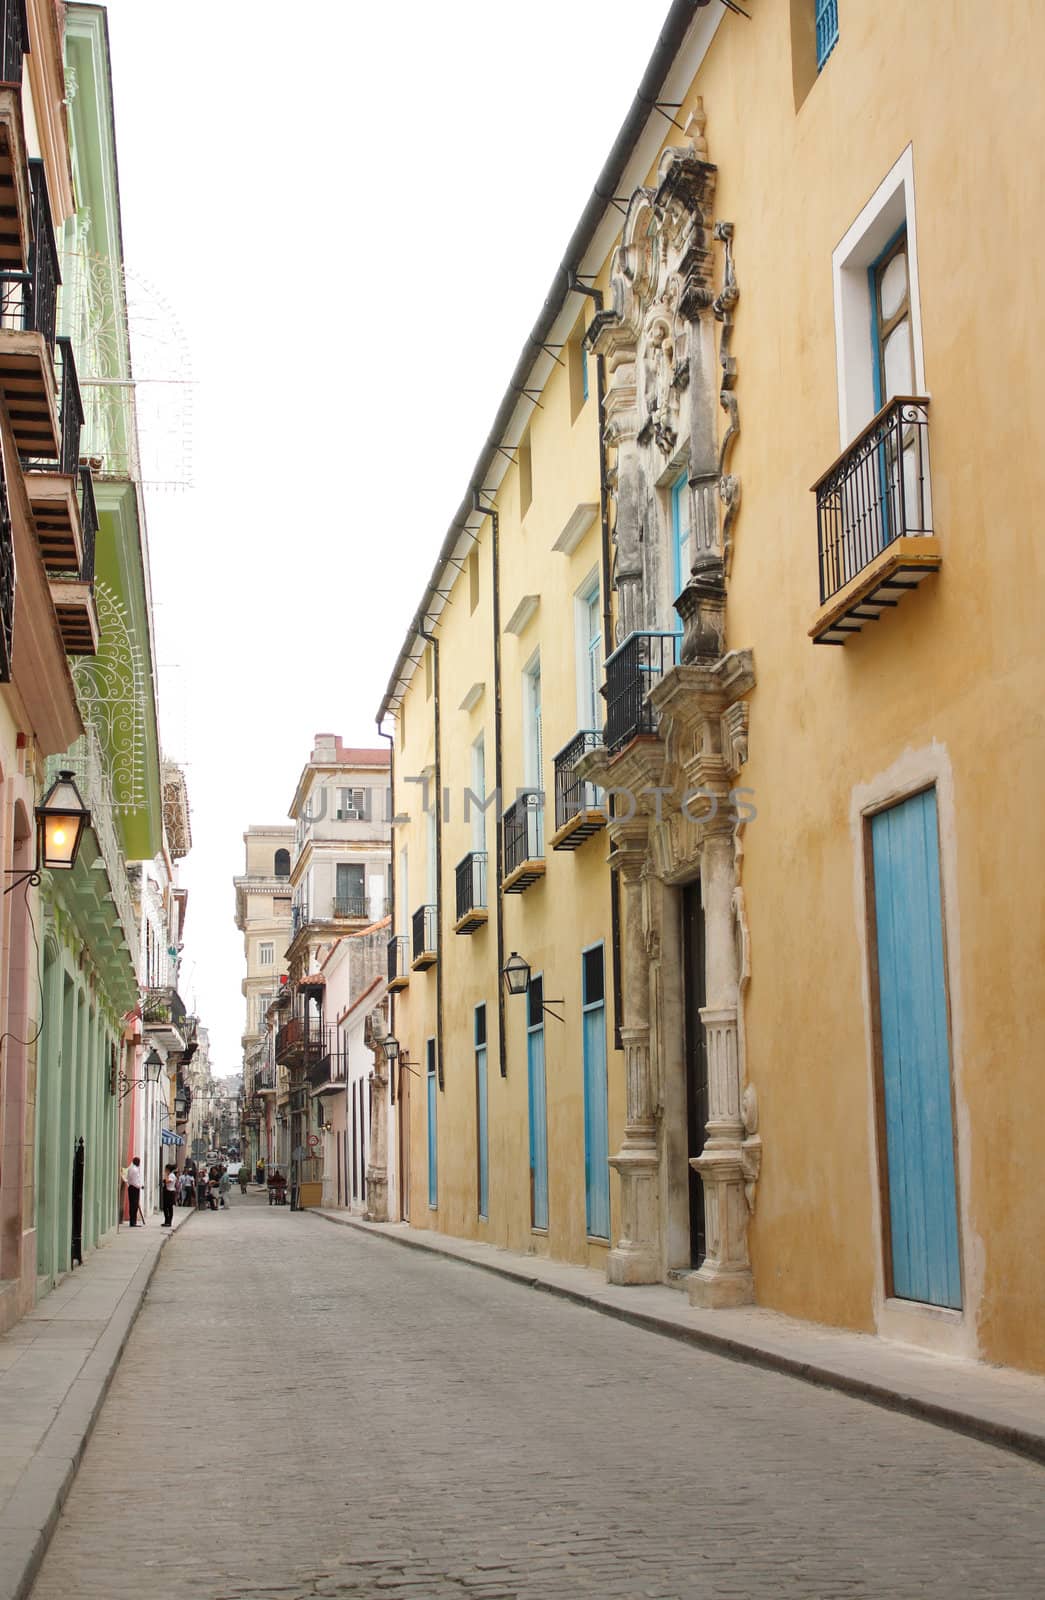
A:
[670,374]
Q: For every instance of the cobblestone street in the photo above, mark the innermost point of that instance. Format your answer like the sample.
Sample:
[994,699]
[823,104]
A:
[301,1411]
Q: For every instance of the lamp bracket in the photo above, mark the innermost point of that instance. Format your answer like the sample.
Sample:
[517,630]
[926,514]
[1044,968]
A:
[22,875]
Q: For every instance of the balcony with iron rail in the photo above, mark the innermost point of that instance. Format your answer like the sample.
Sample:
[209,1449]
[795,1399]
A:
[634,668]
[472,910]
[16,226]
[425,943]
[72,593]
[300,1041]
[875,540]
[398,962]
[580,808]
[28,304]
[523,825]
[164,1018]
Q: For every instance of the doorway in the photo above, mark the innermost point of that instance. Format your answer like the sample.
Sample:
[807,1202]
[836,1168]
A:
[696,1055]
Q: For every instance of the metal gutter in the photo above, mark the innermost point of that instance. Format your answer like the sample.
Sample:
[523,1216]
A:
[676,26]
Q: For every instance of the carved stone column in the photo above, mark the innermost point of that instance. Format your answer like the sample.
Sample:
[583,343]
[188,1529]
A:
[377,1164]
[635,1257]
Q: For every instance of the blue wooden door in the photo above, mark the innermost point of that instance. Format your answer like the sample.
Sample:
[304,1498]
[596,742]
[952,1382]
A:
[596,1113]
[482,1121]
[538,1105]
[916,1067]
[433,1147]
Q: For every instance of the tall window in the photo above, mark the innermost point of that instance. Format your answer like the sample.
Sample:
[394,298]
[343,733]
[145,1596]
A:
[433,1147]
[891,307]
[349,893]
[826,29]
[479,791]
[682,554]
[281,865]
[532,726]
[266,953]
[589,658]
[482,1125]
[596,1112]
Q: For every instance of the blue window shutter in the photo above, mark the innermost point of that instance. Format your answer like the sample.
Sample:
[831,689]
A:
[826,30]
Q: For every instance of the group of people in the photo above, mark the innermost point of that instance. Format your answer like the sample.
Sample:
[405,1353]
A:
[202,1187]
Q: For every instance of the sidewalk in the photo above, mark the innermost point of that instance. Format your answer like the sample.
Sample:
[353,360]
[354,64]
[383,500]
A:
[55,1369]
[997,1404]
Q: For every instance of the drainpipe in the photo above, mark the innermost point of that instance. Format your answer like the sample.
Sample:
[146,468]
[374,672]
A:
[440,947]
[595,295]
[498,771]
[391,880]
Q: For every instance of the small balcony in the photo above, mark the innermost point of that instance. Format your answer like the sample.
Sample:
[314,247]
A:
[580,809]
[265,1079]
[472,911]
[299,918]
[14,40]
[875,539]
[425,938]
[354,906]
[633,669]
[398,963]
[54,487]
[164,1018]
[16,227]
[523,824]
[27,321]
[299,1041]
[73,592]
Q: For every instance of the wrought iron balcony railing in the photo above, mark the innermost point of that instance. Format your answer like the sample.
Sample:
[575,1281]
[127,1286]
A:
[398,961]
[14,40]
[28,300]
[163,1007]
[299,918]
[633,669]
[299,1037]
[350,906]
[70,415]
[425,936]
[523,824]
[579,806]
[88,523]
[875,493]
[471,892]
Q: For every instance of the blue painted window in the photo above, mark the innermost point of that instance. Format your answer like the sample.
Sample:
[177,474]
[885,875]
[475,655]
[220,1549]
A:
[482,1121]
[682,554]
[433,1147]
[537,1091]
[915,1054]
[596,1112]
[826,30]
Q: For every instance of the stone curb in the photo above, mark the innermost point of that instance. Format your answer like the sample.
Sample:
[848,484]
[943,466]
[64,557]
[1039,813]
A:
[1024,1441]
[30,1516]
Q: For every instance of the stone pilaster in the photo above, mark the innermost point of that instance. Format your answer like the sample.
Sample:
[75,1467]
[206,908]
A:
[377,1163]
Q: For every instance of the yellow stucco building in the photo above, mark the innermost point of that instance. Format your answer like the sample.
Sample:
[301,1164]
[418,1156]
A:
[782,893]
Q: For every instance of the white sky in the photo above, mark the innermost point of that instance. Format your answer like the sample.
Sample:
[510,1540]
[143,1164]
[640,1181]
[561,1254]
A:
[353,212]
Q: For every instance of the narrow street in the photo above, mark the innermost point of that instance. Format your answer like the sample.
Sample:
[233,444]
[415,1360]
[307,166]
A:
[301,1411]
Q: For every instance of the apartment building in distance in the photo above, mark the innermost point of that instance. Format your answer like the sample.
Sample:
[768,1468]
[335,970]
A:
[263,917]
[730,978]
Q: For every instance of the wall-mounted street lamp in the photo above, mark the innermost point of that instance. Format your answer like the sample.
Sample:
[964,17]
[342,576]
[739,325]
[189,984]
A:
[152,1067]
[61,818]
[516,975]
[393,1053]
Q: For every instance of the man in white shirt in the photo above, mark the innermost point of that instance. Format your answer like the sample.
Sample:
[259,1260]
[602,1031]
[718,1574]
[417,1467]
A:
[134,1191]
[170,1189]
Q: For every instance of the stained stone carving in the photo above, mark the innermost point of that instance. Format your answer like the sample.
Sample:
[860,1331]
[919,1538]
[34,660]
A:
[377,1165]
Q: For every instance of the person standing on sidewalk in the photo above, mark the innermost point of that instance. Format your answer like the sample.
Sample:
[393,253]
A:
[170,1190]
[133,1178]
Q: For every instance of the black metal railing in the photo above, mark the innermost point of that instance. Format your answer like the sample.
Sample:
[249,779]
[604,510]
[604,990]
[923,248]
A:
[70,416]
[88,524]
[300,1034]
[426,930]
[398,962]
[572,794]
[7,583]
[14,40]
[633,669]
[350,905]
[28,300]
[298,918]
[523,823]
[164,1007]
[876,492]
[471,883]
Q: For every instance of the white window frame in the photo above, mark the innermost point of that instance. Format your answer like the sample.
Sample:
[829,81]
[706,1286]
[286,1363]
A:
[890,208]
[353,812]
[478,787]
[588,591]
[268,960]
[533,737]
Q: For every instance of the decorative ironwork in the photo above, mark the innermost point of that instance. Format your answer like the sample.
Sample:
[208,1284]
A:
[14,40]
[7,584]
[633,669]
[471,883]
[350,906]
[523,824]
[298,918]
[70,412]
[88,524]
[111,690]
[85,761]
[878,491]
[164,1007]
[573,797]
[398,960]
[300,1036]
[426,932]
[29,300]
